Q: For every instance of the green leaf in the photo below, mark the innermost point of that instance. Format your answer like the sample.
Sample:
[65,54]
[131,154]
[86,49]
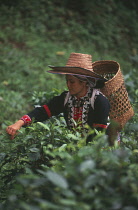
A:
[46,204]
[34,155]
[43,125]
[72,136]
[62,148]
[57,179]
[34,150]
[2,156]
[68,202]
[87,165]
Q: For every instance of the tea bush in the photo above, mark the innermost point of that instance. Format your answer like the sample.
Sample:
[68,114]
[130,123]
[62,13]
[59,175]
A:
[66,175]
[47,166]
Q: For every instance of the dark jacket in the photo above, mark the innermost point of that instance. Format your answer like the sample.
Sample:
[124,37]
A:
[98,115]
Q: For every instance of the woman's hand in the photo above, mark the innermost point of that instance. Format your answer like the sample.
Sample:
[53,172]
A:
[12,129]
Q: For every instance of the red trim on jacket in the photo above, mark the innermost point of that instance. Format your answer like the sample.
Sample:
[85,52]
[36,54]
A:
[47,110]
[99,125]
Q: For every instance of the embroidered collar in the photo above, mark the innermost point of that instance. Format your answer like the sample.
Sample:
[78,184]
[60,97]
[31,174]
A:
[81,106]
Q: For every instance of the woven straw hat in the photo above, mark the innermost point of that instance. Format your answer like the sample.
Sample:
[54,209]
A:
[115,90]
[77,64]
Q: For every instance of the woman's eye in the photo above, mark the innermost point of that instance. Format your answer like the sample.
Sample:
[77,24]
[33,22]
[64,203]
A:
[70,81]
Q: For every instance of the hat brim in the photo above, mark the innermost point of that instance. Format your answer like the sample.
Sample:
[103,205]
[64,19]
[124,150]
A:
[71,70]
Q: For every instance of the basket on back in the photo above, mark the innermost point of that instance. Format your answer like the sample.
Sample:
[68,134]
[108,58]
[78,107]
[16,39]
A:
[115,90]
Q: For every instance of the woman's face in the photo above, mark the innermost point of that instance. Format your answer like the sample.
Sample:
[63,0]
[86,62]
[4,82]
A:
[76,87]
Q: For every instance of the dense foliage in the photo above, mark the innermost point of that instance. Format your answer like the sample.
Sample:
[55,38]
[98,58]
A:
[47,166]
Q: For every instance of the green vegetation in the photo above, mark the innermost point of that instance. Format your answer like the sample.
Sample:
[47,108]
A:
[46,166]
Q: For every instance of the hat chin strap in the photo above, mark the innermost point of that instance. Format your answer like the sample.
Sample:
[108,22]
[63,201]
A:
[91,84]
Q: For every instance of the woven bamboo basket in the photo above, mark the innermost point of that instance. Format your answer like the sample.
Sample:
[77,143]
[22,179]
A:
[121,110]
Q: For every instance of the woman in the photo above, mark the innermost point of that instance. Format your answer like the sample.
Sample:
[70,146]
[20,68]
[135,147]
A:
[83,103]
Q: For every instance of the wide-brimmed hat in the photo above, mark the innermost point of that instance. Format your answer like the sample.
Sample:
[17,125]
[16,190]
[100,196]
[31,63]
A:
[77,64]
[115,90]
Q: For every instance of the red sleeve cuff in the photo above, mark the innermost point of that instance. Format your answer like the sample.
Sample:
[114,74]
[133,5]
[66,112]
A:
[27,120]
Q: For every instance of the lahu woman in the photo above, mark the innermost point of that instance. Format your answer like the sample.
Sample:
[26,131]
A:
[83,103]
